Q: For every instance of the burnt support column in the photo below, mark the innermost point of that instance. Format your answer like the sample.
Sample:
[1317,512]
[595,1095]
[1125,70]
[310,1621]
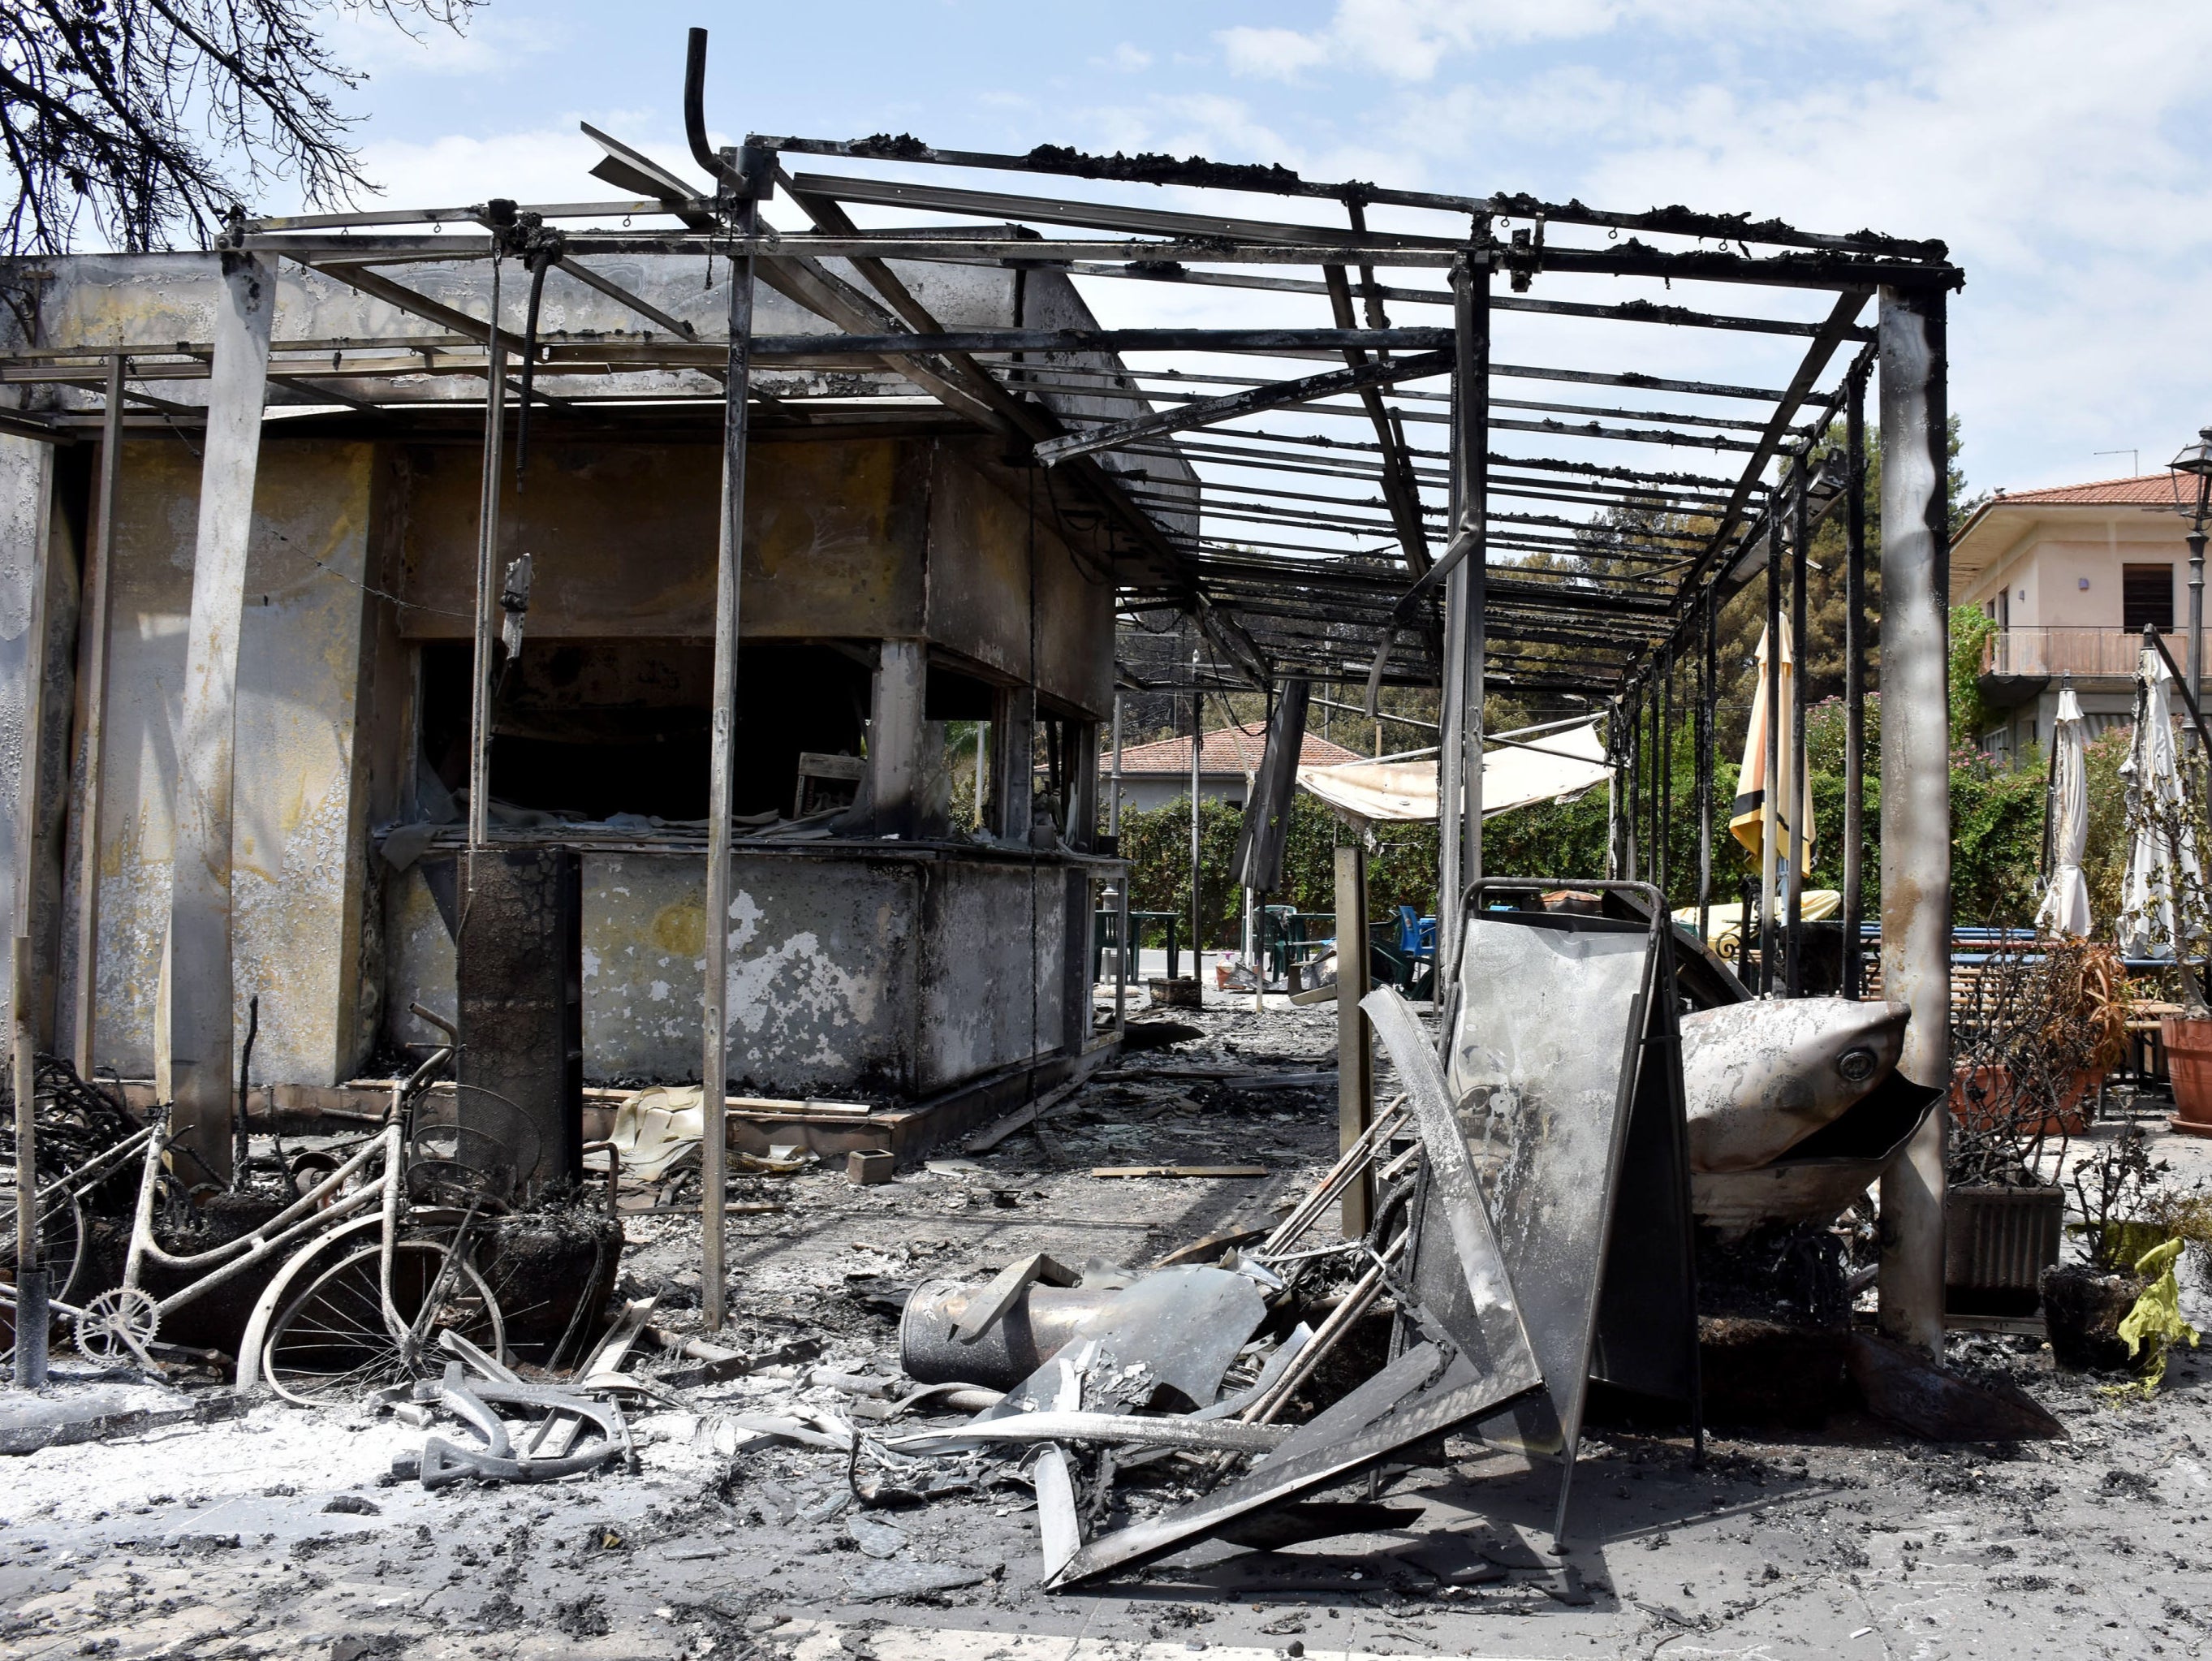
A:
[1708,677]
[1122,966]
[193,1063]
[487,585]
[1915,777]
[92,722]
[31,1282]
[729,561]
[1451,761]
[895,736]
[1796,808]
[1471,468]
[1854,675]
[519,981]
[1013,762]
[1355,1049]
[1770,812]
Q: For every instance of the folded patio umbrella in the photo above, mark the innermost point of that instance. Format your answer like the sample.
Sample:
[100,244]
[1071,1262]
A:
[1748,823]
[2161,842]
[2065,908]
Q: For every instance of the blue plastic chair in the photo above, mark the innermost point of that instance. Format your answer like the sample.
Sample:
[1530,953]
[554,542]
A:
[1417,935]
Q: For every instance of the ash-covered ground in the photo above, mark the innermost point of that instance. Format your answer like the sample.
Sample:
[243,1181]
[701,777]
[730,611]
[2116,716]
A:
[282,1532]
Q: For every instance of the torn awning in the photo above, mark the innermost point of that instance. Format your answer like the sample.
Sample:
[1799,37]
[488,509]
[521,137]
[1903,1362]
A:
[1550,768]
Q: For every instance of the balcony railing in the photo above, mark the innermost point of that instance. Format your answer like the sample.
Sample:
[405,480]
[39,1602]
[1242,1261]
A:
[2085,652]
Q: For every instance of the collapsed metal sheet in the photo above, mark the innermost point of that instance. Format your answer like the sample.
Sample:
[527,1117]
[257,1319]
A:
[1477,1306]
[1425,1392]
[1182,1326]
[1542,1066]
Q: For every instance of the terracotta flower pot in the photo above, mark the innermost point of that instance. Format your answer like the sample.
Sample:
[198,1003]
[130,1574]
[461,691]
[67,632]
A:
[2189,1063]
[1975,1090]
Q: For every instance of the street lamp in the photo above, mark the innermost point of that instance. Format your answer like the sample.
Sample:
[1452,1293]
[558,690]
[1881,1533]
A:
[2195,461]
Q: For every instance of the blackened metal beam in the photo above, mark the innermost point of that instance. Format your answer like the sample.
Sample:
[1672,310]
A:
[1817,356]
[1854,677]
[377,286]
[1095,216]
[614,291]
[774,348]
[1280,181]
[1212,411]
[1399,491]
[1632,311]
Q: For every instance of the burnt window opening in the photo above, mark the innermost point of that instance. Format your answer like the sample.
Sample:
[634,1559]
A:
[596,728]
[2146,598]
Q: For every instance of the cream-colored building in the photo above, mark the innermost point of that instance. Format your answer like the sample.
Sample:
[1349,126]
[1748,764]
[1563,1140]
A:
[2071,575]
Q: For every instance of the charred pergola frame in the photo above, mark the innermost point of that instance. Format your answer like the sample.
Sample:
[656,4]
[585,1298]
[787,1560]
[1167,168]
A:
[1568,538]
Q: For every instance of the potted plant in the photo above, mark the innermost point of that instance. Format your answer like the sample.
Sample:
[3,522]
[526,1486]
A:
[2116,1193]
[2035,1033]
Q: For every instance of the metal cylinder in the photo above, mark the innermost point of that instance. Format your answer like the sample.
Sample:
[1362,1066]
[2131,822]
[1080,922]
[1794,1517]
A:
[33,1313]
[1030,1334]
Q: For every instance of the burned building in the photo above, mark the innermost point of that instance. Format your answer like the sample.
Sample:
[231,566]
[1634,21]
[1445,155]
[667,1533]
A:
[899,574]
[553,620]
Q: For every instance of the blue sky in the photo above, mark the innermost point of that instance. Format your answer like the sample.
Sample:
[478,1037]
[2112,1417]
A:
[2060,150]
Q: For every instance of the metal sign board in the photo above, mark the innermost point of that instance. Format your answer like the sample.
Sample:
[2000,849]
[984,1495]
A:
[1566,1084]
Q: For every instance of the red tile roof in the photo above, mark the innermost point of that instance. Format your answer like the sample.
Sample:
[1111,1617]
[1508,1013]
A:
[1226,750]
[2150,490]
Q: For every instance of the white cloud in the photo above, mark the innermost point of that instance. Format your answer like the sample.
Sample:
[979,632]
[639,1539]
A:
[547,164]
[365,39]
[1271,54]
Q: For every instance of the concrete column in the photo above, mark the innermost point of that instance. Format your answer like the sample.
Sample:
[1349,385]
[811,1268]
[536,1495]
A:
[1012,731]
[1916,802]
[896,781]
[26,503]
[193,1063]
[1083,787]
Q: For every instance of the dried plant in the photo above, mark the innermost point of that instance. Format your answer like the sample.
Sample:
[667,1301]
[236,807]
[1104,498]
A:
[149,117]
[2036,1030]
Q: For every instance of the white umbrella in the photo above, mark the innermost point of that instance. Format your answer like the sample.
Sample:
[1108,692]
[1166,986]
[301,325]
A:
[1548,768]
[2065,908]
[2162,846]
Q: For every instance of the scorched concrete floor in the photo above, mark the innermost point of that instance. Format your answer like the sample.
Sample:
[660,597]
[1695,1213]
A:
[270,1534]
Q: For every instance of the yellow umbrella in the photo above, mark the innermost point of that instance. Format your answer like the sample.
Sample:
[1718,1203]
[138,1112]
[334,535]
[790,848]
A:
[1747,824]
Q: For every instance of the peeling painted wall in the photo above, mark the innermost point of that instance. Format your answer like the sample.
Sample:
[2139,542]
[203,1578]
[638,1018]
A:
[991,978]
[26,497]
[296,844]
[847,971]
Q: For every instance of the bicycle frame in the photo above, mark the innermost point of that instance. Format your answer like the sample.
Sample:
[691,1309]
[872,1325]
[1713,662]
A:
[305,1216]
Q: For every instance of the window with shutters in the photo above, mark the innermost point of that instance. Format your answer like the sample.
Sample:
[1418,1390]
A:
[2146,598]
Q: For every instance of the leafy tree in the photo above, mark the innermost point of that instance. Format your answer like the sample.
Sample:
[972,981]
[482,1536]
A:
[152,117]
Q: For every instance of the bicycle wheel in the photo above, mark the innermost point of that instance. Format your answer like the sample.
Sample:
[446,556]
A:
[331,1344]
[61,1240]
